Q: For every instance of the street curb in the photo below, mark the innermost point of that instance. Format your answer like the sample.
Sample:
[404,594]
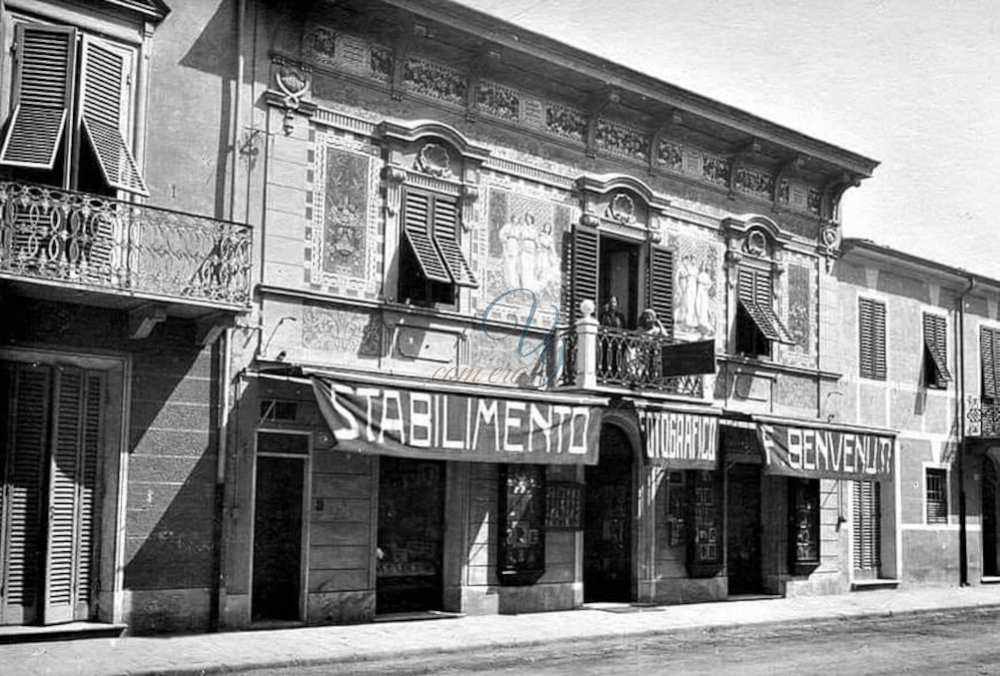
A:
[374,657]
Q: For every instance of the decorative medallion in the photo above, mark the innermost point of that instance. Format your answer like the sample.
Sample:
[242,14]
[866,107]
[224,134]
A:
[433,159]
[755,243]
[622,208]
[293,82]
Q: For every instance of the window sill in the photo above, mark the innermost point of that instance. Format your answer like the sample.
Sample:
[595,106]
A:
[989,579]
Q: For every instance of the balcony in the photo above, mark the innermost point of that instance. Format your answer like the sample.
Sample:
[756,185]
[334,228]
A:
[118,252]
[983,418]
[601,357]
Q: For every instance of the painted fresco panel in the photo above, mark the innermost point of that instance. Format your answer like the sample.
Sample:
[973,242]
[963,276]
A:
[698,290]
[799,324]
[344,252]
[524,251]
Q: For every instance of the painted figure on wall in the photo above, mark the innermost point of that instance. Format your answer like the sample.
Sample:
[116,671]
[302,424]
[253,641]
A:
[529,257]
[695,294]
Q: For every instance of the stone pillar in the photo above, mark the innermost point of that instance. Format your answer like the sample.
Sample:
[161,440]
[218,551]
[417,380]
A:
[586,347]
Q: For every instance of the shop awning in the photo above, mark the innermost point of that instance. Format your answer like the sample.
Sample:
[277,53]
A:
[816,450]
[826,452]
[680,439]
[446,424]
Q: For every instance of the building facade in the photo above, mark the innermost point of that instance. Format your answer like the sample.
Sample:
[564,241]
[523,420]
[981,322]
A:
[405,388]
[120,267]
[914,340]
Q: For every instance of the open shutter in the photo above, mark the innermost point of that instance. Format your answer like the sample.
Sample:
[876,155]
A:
[26,434]
[104,96]
[417,214]
[936,350]
[72,482]
[661,286]
[586,267]
[446,236]
[755,297]
[44,68]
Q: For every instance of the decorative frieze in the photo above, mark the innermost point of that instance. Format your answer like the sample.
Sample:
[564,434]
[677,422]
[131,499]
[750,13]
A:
[498,101]
[380,63]
[565,122]
[755,182]
[716,170]
[433,80]
[670,155]
[621,140]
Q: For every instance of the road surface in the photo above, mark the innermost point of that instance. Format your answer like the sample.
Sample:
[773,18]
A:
[952,643]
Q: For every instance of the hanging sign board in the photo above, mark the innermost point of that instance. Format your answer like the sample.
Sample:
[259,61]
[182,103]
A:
[379,420]
[825,453]
[681,440]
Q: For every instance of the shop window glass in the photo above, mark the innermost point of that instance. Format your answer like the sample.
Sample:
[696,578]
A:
[521,554]
[803,510]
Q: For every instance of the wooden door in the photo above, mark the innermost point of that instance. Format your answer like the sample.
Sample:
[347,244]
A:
[867,527]
[607,536]
[989,489]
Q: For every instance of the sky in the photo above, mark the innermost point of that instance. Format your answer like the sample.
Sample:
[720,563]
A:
[914,84]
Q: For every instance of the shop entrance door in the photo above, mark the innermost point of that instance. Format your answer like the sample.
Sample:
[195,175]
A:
[990,563]
[410,535]
[743,529]
[50,440]
[607,535]
[277,538]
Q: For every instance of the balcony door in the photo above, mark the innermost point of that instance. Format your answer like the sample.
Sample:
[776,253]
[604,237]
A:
[619,274]
[50,449]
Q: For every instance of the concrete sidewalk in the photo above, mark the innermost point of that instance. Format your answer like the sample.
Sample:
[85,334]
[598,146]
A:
[370,642]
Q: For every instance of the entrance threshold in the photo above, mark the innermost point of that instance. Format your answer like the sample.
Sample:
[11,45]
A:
[417,615]
[621,607]
[880,583]
[60,632]
[753,597]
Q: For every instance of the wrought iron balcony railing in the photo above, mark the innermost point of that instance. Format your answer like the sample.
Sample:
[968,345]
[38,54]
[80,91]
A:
[91,241]
[624,358]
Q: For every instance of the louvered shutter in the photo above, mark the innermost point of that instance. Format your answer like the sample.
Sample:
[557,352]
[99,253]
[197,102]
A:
[586,267]
[72,485]
[446,237]
[25,440]
[103,101]
[755,293]
[417,215]
[936,350]
[871,339]
[867,526]
[44,69]
[988,345]
[661,286]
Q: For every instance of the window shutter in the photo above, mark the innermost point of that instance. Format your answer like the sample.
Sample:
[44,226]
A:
[104,87]
[661,286]
[878,340]
[988,358]
[871,339]
[586,267]
[446,236]
[44,70]
[756,297]
[25,440]
[867,526]
[417,214]
[72,482]
[936,348]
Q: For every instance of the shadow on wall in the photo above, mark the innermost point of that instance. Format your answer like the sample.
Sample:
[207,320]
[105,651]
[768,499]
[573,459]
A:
[171,526]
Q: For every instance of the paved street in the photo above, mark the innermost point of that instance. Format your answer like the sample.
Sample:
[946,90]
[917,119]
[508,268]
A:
[959,643]
[945,630]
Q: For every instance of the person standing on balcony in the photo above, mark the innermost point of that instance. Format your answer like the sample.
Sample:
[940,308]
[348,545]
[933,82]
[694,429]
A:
[612,347]
[650,361]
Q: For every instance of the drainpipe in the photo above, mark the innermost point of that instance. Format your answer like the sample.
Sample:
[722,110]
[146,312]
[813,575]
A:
[219,591]
[963,562]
